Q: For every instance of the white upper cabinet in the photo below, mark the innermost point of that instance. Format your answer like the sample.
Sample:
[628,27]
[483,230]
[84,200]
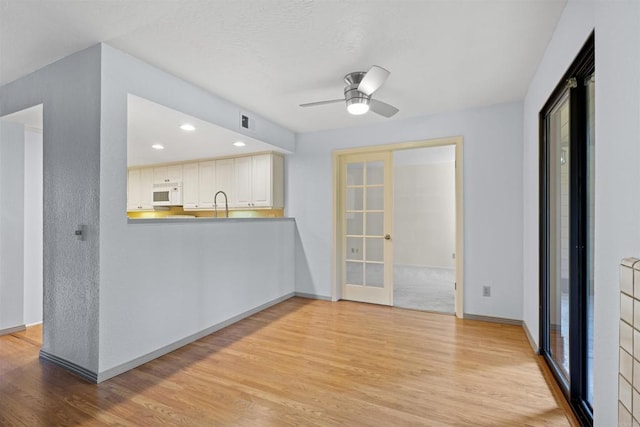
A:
[140,189]
[206,178]
[259,181]
[190,186]
[171,173]
[225,181]
[243,175]
[249,182]
[198,184]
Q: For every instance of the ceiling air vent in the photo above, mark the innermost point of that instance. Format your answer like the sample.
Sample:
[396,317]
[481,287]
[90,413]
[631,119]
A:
[247,122]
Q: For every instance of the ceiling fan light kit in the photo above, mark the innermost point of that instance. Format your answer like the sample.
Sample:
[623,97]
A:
[357,93]
[357,102]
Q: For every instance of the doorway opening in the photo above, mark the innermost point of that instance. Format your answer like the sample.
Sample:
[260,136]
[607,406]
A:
[398,237]
[21,220]
[424,228]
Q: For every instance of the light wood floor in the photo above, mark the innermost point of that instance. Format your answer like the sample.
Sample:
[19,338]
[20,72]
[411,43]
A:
[302,362]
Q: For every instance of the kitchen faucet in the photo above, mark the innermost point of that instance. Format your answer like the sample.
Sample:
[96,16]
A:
[215,205]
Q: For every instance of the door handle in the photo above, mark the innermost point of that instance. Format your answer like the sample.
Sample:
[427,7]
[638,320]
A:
[387,237]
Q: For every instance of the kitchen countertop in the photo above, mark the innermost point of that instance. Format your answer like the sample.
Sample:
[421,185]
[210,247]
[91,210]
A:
[201,219]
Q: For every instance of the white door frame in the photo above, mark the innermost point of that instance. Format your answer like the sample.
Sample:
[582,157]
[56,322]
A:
[336,267]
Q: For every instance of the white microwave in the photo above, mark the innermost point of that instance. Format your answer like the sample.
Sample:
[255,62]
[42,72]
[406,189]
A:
[167,194]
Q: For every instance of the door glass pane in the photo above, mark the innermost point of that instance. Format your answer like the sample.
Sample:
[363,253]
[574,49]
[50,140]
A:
[354,223]
[363,245]
[374,275]
[591,138]
[354,248]
[374,249]
[355,174]
[355,201]
[375,198]
[375,224]
[375,173]
[355,273]
[559,169]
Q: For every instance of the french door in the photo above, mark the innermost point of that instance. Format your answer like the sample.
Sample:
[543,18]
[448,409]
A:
[365,210]
[566,232]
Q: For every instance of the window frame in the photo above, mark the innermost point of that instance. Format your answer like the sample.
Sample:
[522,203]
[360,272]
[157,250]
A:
[575,390]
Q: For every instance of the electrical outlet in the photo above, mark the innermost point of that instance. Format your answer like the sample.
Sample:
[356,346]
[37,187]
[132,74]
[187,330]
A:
[486,291]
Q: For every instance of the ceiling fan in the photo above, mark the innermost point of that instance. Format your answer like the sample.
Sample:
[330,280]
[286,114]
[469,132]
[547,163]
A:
[357,93]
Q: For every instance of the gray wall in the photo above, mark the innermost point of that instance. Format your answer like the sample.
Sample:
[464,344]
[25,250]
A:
[11,225]
[70,92]
[128,290]
[162,282]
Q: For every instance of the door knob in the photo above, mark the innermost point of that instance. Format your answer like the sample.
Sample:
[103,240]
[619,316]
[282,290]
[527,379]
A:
[387,237]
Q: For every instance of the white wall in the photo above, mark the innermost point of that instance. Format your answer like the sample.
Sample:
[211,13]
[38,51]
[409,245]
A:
[617,205]
[424,210]
[617,201]
[572,31]
[162,282]
[11,225]
[492,199]
[33,227]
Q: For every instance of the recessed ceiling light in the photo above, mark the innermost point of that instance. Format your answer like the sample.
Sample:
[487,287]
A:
[188,127]
[158,146]
[239,144]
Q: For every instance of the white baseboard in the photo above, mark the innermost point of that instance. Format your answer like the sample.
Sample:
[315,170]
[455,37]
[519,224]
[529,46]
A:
[117,370]
[312,296]
[502,320]
[12,330]
[532,342]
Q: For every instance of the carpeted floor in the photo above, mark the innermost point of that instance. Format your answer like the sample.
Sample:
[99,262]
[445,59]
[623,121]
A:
[424,288]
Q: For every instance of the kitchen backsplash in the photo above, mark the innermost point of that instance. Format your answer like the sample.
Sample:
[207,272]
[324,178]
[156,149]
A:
[177,210]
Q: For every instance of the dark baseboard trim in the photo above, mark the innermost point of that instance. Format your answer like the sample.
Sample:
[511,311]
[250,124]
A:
[312,296]
[493,319]
[12,330]
[124,367]
[70,366]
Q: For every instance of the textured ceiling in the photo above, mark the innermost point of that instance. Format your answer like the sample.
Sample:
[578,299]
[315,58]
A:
[271,55]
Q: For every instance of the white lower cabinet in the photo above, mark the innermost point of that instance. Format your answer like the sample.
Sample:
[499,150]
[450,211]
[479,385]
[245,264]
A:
[198,185]
[140,189]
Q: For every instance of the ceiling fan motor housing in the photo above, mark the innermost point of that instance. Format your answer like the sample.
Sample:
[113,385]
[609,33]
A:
[351,93]
[354,96]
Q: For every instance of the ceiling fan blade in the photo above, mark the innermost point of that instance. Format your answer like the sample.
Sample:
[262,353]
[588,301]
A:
[313,104]
[382,108]
[372,81]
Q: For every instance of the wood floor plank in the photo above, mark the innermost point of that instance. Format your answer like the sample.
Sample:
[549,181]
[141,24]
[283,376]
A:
[302,362]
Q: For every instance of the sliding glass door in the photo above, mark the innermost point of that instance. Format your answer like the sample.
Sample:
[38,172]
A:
[566,232]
